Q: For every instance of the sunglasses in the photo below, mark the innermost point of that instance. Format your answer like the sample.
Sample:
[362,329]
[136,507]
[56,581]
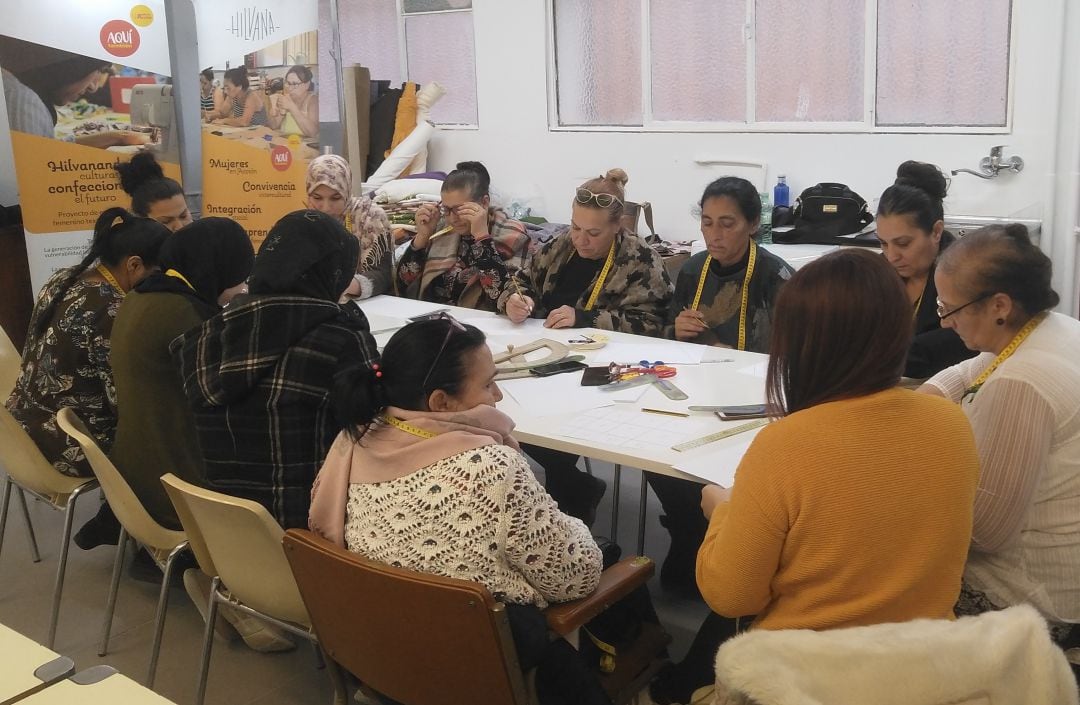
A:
[452,325]
[944,313]
[604,200]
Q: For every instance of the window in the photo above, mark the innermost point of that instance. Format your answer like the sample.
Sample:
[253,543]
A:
[419,41]
[836,65]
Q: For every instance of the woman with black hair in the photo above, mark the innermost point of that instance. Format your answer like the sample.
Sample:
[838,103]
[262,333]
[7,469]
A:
[37,79]
[203,266]
[211,98]
[911,229]
[423,441]
[479,249]
[296,111]
[243,106]
[153,195]
[66,359]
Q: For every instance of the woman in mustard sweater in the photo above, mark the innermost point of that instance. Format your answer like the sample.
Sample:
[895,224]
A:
[855,506]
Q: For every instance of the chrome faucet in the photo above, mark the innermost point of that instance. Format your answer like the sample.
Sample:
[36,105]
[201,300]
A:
[991,166]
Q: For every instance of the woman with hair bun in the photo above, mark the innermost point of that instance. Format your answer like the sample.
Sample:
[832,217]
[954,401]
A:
[423,440]
[1021,395]
[66,359]
[153,195]
[911,229]
[481,248]
[597,275]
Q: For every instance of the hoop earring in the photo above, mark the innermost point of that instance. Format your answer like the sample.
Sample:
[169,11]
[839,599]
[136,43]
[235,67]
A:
[1000,321]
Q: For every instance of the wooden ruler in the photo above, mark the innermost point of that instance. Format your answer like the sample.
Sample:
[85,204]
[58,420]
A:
[719,435]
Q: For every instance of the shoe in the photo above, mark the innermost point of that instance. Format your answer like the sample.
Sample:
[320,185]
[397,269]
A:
[145,570]
[102,529]
[257,634]
[678,573]
[592,492]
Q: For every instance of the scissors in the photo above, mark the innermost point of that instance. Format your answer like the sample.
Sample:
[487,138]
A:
[655,373]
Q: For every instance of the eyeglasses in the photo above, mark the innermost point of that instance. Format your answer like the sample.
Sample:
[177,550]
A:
[604,200]
[294,84]
[944,313]
[445,210]
[452,325]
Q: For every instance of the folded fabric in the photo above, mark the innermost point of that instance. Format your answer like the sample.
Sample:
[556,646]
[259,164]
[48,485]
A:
[398,161]
[403,189]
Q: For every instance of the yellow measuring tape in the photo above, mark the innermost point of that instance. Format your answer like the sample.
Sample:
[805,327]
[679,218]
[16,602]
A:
[178,275]
[1006,353]
[108,276]
[408,427]
[745,291]
[600,281]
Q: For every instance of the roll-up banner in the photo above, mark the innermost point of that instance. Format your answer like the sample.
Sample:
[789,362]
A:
[86,84]
[261,125]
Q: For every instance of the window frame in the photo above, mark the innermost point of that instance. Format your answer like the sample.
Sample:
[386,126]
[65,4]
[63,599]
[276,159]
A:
[867,125]
[403,57]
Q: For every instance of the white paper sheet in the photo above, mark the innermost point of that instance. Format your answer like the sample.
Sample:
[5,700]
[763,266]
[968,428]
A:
[633,428]
[382,324]
[563,394]
[759,369]
[501,325]
[717,462]
[670,353]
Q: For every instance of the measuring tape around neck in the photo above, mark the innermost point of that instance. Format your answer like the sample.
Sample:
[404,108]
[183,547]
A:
[600,280]
[177,275]
[1005,354]
[745,290]
[108,276]
[407,427]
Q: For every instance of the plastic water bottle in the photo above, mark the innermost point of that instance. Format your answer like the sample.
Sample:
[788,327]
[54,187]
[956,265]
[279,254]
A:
[765,231]
[781,195]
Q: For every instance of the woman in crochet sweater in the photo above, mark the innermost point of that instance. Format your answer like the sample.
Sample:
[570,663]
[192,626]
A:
[427,477]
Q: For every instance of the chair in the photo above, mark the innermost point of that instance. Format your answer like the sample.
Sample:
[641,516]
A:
[28,470]
[10,369]
[996,658]
[238,544]
[367,613]
[163,545]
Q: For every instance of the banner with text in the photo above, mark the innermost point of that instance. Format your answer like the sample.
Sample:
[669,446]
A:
[260,107]
[86,85]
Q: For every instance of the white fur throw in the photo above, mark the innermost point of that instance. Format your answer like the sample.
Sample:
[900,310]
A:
[999,658]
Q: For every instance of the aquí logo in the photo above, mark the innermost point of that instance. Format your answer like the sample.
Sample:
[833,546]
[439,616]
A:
[280,158]
[120,38]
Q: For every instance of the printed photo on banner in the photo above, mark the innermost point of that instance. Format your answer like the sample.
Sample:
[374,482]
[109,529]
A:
[86,100]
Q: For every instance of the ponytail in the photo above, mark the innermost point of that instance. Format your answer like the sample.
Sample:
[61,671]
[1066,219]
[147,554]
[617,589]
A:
[112,243]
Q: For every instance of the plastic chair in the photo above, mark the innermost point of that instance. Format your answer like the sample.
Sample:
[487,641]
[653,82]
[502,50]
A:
[163,545]
[238,544]
[366,615]
[10,369]
[28,470]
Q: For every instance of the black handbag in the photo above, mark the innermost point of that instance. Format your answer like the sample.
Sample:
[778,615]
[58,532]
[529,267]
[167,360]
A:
[825,212]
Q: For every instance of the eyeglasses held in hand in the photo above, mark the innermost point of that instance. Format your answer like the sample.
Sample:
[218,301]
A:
[452,325]
[944,313]
[294,84]
[604,200]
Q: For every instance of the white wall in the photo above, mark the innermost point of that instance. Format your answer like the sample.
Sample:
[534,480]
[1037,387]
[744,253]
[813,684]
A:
[525,157]
[9,192]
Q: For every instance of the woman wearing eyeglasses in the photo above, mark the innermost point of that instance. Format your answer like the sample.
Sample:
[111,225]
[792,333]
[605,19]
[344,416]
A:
[1021,395]
[598,275]
[427,477]
[464,250]
[911,229]
[296,111]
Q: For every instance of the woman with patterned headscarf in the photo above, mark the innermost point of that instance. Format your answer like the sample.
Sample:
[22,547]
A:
[329,190]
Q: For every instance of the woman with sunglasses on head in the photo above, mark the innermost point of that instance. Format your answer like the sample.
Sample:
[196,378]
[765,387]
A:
[296,111]
[66,358]
[724,296]
[599,276]
[153,195]
[329,189]
[464,250]
[422,439]
[1021,395]
[828,526]
[911,229]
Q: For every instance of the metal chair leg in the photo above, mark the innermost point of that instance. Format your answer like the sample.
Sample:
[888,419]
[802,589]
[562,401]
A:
[643,504]
[114,588]
[616,480]
[4,509]
[208,641]
[35,555]
[588,465]
[61,567]
[163,605]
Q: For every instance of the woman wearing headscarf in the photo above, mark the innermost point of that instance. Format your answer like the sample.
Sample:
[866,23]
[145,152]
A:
[329,190]
[258,375]
[202,266]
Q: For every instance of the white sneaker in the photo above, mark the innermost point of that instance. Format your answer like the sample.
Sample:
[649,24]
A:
[257,634]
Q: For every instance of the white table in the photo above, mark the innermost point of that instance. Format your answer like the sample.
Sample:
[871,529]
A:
[724,377]
[27,667]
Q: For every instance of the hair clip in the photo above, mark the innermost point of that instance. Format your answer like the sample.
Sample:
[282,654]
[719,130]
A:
[375,368]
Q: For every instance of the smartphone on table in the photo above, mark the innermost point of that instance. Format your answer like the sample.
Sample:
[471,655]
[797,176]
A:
[745,411]
[557,368]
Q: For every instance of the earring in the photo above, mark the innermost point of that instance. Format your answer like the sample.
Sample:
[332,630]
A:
[1000,321]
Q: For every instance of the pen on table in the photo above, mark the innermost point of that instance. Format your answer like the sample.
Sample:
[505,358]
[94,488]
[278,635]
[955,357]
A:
[666,413]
